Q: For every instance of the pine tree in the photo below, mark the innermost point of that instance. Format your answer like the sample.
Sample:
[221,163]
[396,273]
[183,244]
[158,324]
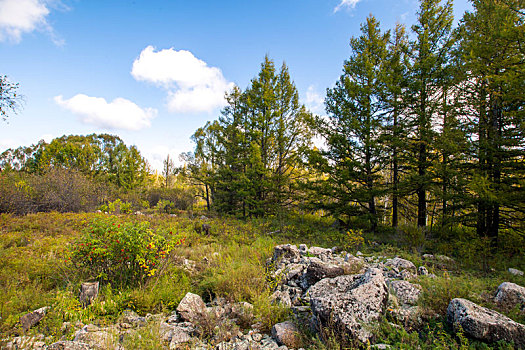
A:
[355,158]
[429,58]
[394,86]
[494,98]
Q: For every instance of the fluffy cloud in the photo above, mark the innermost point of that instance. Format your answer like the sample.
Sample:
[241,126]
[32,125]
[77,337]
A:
[117,114]
[346,3]
[314,101]
[157,154]
[24,16]
[191,84]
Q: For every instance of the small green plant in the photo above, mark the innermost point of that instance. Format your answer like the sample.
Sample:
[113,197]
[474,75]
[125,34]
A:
[164,206]
[268,313]
[117,206]
[354,239]
[122,253]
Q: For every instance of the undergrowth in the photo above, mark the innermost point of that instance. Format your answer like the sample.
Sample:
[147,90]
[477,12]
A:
[228,260]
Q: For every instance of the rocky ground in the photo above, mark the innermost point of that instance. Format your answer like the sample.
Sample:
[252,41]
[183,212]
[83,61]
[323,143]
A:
[323,288]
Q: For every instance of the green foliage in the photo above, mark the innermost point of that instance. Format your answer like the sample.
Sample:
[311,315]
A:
[163,292]
[247,159]
[437,292]
[354,239]
[146,338]
[122,253]
[10,99]
[117,207]
[103,156]
[268,313]
[354,158]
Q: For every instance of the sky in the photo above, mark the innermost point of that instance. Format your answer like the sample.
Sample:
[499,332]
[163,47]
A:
[153,71]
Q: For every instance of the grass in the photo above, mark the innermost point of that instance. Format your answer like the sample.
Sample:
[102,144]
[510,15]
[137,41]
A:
[229,261]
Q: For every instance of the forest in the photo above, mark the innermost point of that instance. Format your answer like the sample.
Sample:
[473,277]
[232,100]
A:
[424,131]
[421,149]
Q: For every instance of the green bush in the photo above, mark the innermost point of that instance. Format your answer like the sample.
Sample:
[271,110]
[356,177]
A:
[121,253]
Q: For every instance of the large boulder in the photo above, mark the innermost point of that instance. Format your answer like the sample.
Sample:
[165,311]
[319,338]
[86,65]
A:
[287,333]
[191,308]
[29,320]
[318,270]
[510,295]
[407,293]
[484,324]
[350,303]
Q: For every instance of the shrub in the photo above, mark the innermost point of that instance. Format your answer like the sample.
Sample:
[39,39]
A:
[181,198]
[59,190]
[354,239]
[117,207]
[123,254]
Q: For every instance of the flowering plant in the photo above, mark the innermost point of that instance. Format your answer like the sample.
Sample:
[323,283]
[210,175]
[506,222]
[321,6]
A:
[122,253]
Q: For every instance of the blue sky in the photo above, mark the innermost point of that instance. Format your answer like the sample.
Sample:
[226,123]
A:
[153,71]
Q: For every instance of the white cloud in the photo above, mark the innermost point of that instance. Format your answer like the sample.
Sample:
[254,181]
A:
[192,85]
[346,3]
[314,101]
[157,155]
[117,114]
[24,16]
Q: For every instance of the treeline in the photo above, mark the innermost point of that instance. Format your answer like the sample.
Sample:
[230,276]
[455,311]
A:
[81,173]
[425,127]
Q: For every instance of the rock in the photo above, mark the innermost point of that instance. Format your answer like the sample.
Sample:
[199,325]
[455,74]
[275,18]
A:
[401,264]
[303,249]
[180,335]
[268,343]
[381,346]
[191,308]
[484,324]
[173,318]
[257,337]
[440,261]
[422,271]
[88,292]
[322,253]
[175,334]
[510,295]
[96,338]
[132,318]
[24,342]
[515,272]
[403,303]
[68,345]
[286,333]
[350,302]
[31,319]
[407,275]
[317,270]
[282,298]
[285,252]
[406,292]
